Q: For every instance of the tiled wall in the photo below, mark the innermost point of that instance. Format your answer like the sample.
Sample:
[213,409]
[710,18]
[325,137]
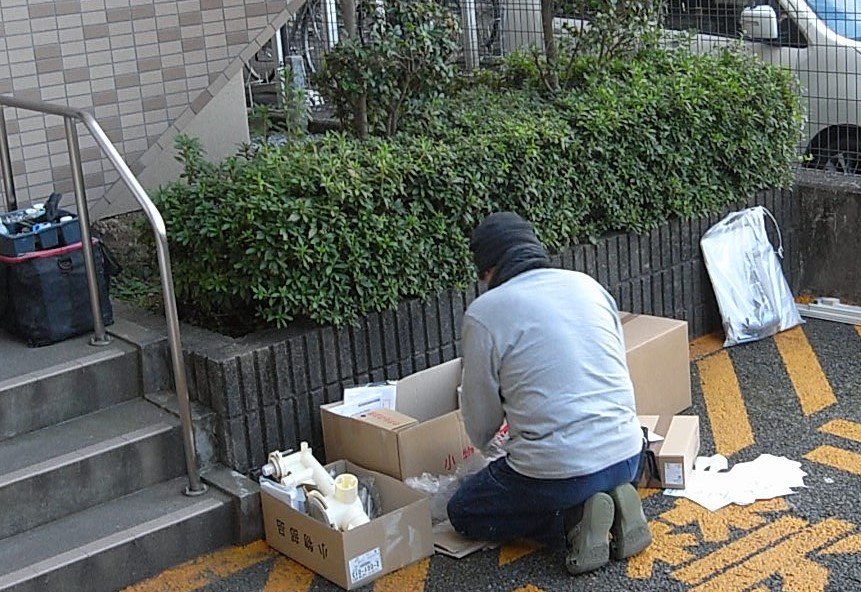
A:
[146,69]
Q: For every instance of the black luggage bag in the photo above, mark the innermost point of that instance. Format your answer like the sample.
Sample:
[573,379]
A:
[44,297]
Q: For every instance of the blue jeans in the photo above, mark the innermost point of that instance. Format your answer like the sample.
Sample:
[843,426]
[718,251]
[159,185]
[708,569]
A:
[499,504]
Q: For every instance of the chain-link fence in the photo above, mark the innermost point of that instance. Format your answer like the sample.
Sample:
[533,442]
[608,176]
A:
[816,39]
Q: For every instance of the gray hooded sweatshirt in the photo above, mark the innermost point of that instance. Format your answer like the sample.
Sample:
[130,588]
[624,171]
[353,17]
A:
[544,351]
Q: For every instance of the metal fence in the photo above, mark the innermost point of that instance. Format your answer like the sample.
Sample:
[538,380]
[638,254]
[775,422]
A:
[816,39]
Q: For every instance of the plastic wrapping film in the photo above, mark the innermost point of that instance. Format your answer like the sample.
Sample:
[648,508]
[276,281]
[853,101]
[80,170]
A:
[751,291]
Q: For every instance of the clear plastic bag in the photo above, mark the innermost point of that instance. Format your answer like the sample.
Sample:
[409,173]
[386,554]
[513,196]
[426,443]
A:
[752,294]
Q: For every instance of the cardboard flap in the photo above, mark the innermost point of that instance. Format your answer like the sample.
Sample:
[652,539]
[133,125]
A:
[435,446]
[447,542]
[430,393]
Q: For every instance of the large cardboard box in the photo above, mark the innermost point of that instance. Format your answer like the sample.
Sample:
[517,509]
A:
[424,433]
[676,453]
[659,363]
[401,535]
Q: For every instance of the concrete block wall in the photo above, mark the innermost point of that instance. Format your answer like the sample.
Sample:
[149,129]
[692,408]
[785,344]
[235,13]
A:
[266,389]
[146,69]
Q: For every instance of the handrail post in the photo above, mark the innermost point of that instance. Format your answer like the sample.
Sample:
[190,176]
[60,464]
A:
[6,165]
[100,336]
[195,486]
[70,115]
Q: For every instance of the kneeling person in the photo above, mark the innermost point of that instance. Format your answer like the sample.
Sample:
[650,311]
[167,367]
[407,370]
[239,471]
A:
[543,351]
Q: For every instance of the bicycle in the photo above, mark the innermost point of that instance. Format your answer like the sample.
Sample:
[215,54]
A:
[308,35]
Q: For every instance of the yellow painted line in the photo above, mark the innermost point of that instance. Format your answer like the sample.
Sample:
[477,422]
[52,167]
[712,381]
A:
[513,551]
[811,387]
[788,560]
[843,429]
[287,575]
[727,414]
[528,588]
[836,457]
[411,577]
[858,330]
[849,545]
[207,569]
[717,526]
[705,345]
[666,547]
[751,544]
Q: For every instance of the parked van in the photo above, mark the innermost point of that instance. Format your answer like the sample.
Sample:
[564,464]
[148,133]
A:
[819,40]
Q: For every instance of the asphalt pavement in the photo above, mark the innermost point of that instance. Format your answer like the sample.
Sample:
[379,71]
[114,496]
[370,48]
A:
[795,395]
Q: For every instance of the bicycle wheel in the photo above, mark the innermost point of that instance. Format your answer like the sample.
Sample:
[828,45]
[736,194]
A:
[308,36]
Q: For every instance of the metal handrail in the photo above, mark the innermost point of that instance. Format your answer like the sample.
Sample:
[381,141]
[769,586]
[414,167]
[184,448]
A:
[70,116]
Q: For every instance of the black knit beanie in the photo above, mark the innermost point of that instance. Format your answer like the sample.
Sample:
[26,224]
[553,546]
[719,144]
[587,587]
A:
[496,234]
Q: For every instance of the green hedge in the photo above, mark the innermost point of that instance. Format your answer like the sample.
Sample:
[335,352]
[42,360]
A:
[332,228]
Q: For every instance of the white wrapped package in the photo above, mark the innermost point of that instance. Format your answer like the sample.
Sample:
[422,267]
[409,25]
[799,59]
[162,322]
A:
[751,290]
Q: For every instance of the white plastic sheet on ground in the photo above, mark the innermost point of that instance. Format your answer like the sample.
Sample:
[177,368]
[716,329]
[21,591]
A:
[712,486]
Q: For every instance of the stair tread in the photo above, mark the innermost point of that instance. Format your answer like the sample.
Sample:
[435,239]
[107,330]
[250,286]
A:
[81,437]
[102,527]
[25,364]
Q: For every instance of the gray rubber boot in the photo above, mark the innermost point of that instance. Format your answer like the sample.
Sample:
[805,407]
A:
[630,529]
[590,536]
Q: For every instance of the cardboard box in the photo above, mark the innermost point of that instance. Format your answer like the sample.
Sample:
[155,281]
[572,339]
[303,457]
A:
[678,450]
[659,363]
[425,432]
[401,535]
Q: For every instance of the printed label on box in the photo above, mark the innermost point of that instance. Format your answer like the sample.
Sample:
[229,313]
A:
[673,474]
[365,565]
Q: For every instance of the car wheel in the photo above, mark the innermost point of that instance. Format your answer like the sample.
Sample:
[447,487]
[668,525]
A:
[839,152]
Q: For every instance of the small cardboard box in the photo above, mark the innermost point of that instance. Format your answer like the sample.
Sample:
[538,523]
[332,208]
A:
[401,535]
[676,453]
[424,433]
[658,362]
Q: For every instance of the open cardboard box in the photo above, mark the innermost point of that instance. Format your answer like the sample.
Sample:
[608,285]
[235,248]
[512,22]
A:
[400,535]
[424,433]
[676,453]
[659,363]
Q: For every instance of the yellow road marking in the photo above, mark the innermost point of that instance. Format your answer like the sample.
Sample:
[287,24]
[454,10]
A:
[514,551]
[751,544]
[717,526]
[842,428]
[411,577]
[528,588]
[858,330]
[727,414]
[706,345]
[788,560]
[287,575]
[207,569]
[836,457]
[811,387]
[666,547]
[851,544]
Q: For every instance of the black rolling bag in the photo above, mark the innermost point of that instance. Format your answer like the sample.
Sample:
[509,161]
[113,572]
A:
[44,297]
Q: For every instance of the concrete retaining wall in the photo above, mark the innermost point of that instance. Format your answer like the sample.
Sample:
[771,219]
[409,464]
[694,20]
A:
[829,237]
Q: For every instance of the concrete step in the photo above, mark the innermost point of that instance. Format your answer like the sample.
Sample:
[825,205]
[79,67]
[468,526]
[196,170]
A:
[43,386]
[118,543]
[66,468]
